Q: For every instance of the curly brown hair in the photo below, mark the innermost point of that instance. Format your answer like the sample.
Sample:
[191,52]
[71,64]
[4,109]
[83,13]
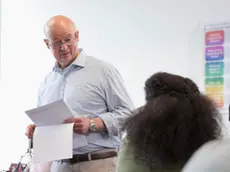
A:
[175,121]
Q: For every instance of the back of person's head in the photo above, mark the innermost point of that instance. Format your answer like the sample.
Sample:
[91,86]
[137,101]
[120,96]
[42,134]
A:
[211,157]
[175,121]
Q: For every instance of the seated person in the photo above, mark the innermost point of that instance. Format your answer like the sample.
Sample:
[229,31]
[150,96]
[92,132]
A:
[211,157]
[175,121]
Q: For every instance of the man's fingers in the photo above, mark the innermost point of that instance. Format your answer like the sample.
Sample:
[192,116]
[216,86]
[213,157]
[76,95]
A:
[29,135]
[77,126]
[78,130]
[70,120]
[30,130]
[77,120]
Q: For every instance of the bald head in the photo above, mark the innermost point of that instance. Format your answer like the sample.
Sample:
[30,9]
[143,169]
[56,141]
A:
[62,38]
[58,26]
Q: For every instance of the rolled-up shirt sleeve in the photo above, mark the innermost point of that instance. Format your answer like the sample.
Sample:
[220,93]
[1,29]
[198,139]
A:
[119,103]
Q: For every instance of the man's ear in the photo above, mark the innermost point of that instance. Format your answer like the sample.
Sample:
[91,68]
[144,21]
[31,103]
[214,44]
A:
[77,35]
[47,43]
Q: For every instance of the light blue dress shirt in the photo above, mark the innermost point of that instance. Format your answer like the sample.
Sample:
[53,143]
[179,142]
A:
[92,88]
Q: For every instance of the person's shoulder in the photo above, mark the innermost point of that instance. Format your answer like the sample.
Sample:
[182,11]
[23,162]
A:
[99,62]
[105,67]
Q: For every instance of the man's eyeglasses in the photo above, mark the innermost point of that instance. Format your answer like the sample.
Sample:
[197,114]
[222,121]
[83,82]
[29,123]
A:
[67,41]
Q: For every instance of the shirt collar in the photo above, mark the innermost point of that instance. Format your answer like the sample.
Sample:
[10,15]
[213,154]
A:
[79,61]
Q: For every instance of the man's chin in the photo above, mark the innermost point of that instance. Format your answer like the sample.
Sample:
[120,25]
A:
[66,57]
[65,62]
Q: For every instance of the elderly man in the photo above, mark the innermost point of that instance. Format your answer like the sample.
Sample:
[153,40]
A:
[92,89]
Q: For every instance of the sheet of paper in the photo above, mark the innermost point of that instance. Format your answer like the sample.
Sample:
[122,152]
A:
[53,142]
[53,114]
[50,114]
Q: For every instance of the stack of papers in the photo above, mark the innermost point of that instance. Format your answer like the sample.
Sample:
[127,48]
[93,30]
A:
[53,140]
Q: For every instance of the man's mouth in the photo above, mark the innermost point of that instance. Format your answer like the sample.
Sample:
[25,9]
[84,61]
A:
[64,54]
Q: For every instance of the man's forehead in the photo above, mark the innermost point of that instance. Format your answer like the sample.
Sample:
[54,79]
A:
[60,36]
[60,31]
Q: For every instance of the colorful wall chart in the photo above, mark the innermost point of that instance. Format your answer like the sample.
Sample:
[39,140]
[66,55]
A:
[215,37]
[217,83]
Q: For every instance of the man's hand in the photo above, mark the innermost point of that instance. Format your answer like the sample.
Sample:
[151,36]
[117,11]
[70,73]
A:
[81,125]
[30,131]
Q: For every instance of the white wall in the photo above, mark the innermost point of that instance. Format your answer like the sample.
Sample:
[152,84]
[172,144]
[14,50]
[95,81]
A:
[139,37]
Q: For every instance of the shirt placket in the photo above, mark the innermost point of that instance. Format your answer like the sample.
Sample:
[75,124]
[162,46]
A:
[64,80]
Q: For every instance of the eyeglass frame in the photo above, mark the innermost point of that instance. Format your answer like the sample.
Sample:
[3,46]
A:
[60,43]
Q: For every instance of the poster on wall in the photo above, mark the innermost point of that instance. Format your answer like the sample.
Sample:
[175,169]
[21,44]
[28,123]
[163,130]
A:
[217,63]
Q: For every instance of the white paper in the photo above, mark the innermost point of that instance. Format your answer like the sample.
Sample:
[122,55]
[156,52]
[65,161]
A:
[50,114]
[53,114]
[53,142]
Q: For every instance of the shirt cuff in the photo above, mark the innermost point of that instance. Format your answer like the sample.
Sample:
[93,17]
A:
[111,124]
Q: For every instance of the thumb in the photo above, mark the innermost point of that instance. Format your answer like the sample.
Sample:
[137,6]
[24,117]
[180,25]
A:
[70,120]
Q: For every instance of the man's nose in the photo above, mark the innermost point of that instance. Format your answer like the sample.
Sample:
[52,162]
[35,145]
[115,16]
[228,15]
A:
[63,47]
